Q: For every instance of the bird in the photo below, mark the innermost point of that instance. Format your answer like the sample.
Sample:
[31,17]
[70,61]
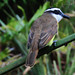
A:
[42,32]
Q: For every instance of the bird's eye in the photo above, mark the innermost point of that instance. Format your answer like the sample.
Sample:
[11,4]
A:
[56,11]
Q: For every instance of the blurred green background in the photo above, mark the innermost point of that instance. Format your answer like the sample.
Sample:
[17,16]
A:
[16,18]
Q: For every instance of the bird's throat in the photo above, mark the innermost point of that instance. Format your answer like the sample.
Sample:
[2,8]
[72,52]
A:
[57,17]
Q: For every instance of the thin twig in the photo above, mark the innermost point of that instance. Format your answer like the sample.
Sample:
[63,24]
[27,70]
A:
[26,70]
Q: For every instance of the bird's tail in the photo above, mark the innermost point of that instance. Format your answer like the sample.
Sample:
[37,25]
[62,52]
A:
[31,58]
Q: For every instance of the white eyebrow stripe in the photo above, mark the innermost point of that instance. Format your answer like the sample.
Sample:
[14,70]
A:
[52,9]
[47,10]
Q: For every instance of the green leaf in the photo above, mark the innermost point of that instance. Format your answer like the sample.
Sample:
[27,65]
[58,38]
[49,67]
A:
[38,69]
[55,67]
[4,53]
[5,1]
[24,14]
[68,60]
[59,62]
[72,68]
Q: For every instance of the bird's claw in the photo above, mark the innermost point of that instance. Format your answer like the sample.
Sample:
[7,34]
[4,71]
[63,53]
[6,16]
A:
[54,42]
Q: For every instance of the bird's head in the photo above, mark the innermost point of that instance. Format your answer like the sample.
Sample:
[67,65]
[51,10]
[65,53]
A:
[57,13]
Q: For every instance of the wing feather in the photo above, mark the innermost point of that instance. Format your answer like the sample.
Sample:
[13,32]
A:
[47,34]
[48,28]
[30,37]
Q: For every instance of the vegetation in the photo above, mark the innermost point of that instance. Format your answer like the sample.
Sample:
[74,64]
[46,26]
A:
[16,19]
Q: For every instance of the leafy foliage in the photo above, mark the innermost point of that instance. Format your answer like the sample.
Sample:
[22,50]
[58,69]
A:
[14,34]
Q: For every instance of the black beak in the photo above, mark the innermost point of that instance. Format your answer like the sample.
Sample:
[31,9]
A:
[66,16]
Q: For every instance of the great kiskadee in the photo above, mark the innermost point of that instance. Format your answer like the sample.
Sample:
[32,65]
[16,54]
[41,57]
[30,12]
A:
[42,31]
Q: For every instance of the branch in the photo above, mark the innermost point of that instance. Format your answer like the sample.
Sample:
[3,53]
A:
[43,51]
[59,43]
[13,65]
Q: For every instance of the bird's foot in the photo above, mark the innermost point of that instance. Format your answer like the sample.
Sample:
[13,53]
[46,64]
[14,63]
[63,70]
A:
[66,44]
[54,42]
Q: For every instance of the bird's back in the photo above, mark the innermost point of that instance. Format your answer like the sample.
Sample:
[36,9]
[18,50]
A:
[45,27]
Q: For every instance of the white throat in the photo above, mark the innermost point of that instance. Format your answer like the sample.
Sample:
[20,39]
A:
[57,17]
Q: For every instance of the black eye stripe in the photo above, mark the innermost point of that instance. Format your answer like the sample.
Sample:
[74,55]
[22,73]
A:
[55,11]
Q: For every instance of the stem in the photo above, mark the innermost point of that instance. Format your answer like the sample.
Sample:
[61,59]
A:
[59,43]
[43,51]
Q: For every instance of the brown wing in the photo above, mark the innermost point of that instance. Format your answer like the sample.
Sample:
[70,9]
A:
[33,32]
[30,37]
[46,36]
[48,28]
